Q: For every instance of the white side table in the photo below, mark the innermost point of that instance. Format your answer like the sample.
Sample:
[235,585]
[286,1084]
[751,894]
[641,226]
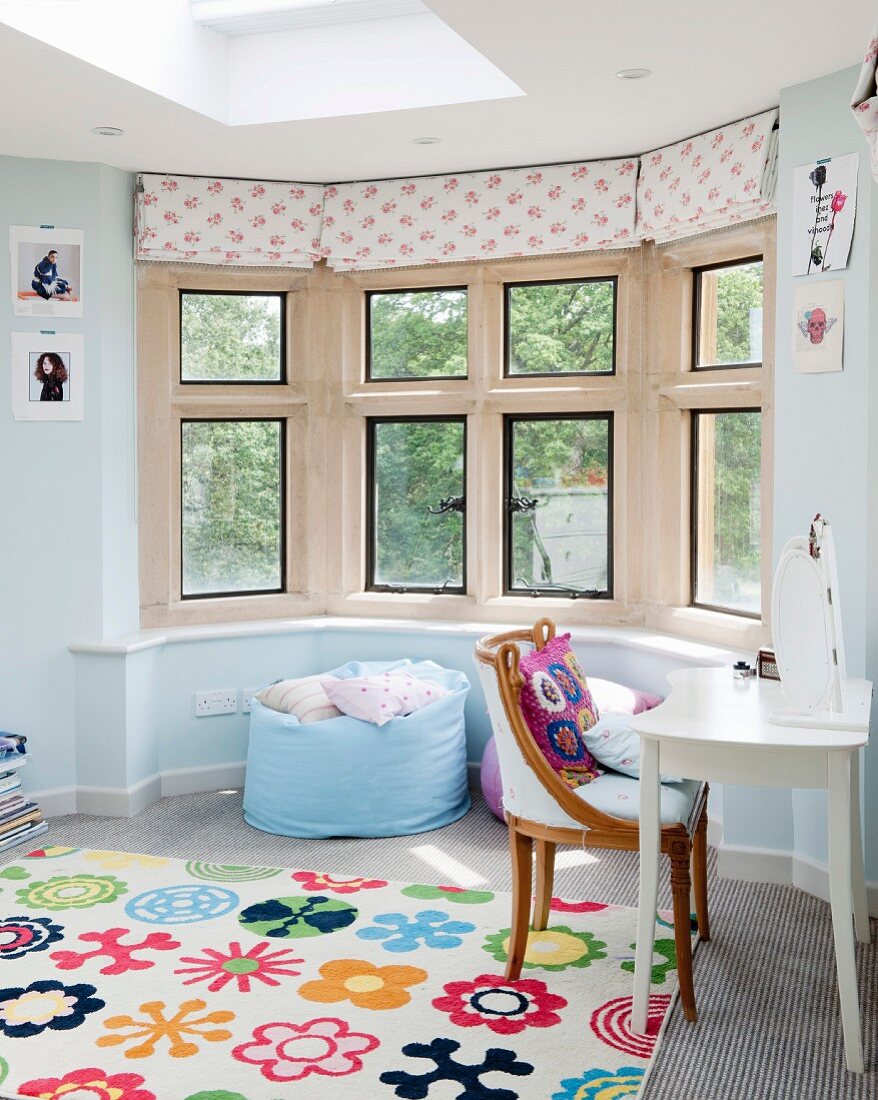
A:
[714,727]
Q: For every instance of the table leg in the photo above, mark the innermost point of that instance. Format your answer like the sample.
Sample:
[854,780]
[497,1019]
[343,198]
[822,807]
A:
[858,870]
[839,767]
[650,839]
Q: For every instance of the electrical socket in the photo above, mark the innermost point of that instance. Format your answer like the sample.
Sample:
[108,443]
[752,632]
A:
[210,703]
[246,695]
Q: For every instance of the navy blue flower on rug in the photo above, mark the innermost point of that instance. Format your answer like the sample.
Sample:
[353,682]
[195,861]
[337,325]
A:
[47,1004]
[297,917]
[416,1086]
[19,935]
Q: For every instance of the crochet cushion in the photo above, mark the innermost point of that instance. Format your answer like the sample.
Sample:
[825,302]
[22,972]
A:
[558,709]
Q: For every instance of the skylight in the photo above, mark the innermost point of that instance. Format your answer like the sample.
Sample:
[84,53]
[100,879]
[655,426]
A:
[234,17]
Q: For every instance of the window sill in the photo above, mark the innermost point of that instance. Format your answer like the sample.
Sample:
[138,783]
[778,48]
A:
[712,627]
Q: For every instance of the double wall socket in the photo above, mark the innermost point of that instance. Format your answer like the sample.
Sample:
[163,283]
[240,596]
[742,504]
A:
[209,703]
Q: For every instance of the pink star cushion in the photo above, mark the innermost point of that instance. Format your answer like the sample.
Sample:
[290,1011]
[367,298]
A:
[379,698]
[558,708]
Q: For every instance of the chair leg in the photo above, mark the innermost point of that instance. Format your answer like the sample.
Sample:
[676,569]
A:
[680,883]
[545,878]
[521,850]
[699,875]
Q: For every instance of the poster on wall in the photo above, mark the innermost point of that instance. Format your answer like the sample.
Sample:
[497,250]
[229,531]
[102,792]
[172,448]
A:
[47,376]
[818,327]
[824,212]
[46,271]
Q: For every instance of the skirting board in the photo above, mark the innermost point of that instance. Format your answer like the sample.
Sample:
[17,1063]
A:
[784,868]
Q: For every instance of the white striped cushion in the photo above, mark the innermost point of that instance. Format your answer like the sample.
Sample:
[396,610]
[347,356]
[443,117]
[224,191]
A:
[304,698]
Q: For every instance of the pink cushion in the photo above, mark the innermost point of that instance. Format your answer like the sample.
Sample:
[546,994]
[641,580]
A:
[618,699]
[558,708]
[379,698]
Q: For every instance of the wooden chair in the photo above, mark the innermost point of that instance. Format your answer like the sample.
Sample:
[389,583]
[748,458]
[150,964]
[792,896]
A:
[540,808]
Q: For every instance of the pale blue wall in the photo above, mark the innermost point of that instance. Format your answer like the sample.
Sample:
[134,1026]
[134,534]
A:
[68,552]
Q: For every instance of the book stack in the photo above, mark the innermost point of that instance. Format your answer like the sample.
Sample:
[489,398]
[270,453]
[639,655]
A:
[20,817]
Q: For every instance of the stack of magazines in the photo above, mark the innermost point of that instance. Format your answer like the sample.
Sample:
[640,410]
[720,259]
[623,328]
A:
[20,817]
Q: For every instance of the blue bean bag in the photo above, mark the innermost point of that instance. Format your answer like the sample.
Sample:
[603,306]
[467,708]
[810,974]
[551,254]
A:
[346,777]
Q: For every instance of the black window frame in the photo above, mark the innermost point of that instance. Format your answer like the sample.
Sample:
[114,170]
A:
[281,381]
[697,272]
[509,419]
[693,512]
[284,506]
[507,287]
[371,533]
[367,300]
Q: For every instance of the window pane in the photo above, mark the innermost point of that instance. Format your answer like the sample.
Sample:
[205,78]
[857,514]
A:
[561,328]
[232,506]
[231,337]
[563,540]
[417,334]
[728,450]
[417,465]
[730,315]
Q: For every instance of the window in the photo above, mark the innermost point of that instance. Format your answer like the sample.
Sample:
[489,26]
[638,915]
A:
[726,510]
[564,327]
[416,334]
[417,484]
[232,338]
[559,495]
[728,315]
[232,506]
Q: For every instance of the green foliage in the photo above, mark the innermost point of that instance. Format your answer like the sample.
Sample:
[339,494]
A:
[230,337]
[419,335]
[739,292]
[559,328]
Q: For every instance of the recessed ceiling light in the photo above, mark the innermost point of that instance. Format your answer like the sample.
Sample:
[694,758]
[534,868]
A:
[426,141]
[633,74]
[107,131]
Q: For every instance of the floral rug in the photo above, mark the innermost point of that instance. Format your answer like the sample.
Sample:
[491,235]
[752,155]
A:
[130,977]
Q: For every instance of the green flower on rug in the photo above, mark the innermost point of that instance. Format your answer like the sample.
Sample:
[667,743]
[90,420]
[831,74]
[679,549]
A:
[229,872]
[216,1094]
[4,1070]
[14,874]
[297,917]
[556,948]
[72,892]
[660,970]
[448,893]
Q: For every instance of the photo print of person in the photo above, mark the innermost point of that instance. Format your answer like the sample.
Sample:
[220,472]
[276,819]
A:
[46,271]
[47,376]
[818,327]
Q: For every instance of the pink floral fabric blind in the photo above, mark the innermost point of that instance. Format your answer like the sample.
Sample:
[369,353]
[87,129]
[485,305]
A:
[219,221]
[480,215]
[709,181]
[865,101]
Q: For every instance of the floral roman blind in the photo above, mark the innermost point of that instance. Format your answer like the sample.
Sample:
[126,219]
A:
[219,221]
[865,101]
[479,215]
[715,179]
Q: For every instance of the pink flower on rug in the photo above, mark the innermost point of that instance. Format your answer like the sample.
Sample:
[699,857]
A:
[319,881]
[96,1084]
[612,1024]
[561,906]
[220,967]
[506,1008]
[290,1052]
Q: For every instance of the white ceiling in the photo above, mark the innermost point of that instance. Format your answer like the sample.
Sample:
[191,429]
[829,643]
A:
[713,62]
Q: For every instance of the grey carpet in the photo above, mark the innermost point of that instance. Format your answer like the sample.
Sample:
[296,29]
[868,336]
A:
[769,1024]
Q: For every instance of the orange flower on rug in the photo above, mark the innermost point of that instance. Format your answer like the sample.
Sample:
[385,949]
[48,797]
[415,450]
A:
[363,984]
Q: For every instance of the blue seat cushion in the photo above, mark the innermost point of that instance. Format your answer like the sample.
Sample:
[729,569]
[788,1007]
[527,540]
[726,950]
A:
[619,795]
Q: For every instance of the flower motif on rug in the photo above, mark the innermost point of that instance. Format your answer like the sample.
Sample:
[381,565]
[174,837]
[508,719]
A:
[14,874]
[216,1094]
[431,927]
[222,967]
[290,1052]
[506,1008]
[121,955]
[45,1004]
[119,861]
[559,905]
[597,1084]
[96,1084]
[555,948]
[4,1070]
[448,893]
[182,904]
[319,881]
[660,970]
[611,1022]
[157,1026]
[229,872]
[51,851]
[415,1086]
[297,917]
[363,984]
[72,892]
[19,935]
